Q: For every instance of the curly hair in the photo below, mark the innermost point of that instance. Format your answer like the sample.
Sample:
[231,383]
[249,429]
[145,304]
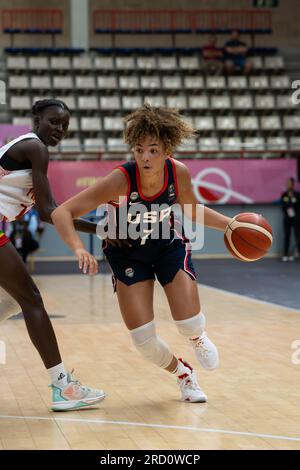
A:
[40,105]
[165,124]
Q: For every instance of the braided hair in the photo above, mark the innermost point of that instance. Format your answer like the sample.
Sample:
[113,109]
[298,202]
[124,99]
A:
[40,105]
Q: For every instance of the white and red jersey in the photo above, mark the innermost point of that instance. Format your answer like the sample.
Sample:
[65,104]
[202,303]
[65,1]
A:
[16,187]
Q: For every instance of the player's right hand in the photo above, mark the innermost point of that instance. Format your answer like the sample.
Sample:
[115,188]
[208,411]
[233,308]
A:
[86,261]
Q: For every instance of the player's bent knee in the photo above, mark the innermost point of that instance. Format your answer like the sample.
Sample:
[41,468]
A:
[30,300]
[191,327]
[151,346]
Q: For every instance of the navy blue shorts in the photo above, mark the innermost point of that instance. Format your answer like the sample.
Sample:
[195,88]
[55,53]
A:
[132,265]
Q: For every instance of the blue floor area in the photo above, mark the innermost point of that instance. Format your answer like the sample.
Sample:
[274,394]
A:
[269,280]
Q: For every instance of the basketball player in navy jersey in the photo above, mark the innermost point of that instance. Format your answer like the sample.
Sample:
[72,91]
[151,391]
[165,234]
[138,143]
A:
[23,183]
[153,178]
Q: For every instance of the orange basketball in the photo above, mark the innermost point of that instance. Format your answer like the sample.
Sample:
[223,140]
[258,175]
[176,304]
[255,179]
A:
[248,236]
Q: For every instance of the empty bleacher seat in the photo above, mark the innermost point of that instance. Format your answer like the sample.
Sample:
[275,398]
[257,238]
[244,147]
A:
[258,82]
[104,63]
[16,63]
[38,63]
[231,143]
[113,124]
[41,83]
[116,144]
[73,124]
[167,63]
[157,100]
[85,83]
[194,83]
[177,101]
[63,82]
[270,122]
[188,146]
[22,121]
[257,62]
[280,82]
[150,82]
[69,100]
[171,83]
[70,145]
[109,82]
[131,102]
[263,102]
[215,82]
[146,63]
[198,102]
[189,63]
[60,63]
[220,102]
[88,103]
[277,143]
[16,82]
[20,103]
[82,63]
[93,144]
[209,143]
[242,101]
[125,63]
[254,143]
[129,83]
[204,123]
[237,82]
[294,143]
[248,123]
[110,102]
[284,102]
[225,123]
[90,124]
[291,123]
[274,63]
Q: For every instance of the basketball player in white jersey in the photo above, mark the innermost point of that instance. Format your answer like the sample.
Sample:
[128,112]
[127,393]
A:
[155,182]
[23,183]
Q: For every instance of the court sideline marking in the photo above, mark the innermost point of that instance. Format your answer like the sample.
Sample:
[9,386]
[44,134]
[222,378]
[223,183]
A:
[152,425]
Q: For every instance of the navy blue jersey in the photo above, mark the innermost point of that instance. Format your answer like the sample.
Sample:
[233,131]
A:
[147,221]
[161,249]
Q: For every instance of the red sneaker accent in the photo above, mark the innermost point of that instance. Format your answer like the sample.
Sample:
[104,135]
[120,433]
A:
[185,364]
[3,239]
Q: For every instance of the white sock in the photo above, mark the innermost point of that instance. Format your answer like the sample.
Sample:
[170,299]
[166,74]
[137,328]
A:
[181,369]
[58,375]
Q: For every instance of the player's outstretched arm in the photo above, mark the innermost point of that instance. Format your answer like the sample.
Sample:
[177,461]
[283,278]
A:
[44,200]
[192,209]
[109,188]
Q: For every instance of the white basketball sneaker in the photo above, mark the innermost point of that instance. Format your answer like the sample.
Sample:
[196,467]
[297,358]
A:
[190,389]
[74,396]
[206,352]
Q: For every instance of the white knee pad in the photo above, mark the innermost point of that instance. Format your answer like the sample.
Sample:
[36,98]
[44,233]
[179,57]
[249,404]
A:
[151,346]
[192,327]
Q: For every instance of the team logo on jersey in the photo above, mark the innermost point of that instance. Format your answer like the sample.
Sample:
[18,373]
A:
[171,191]
[129,272]
[134,196]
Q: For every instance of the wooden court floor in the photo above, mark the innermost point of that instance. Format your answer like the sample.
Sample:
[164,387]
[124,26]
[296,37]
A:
[253,397]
